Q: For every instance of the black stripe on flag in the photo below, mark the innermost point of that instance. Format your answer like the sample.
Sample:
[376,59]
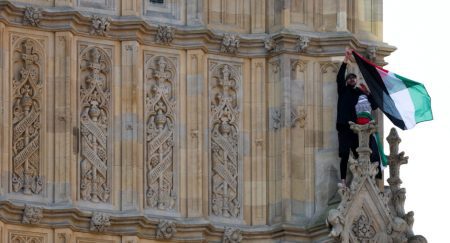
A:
[379,91]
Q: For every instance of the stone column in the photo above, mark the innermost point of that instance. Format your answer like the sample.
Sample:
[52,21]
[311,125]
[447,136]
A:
[195,130]
[258,142]
[64,108]
[131,123]
[258,16]
[274,147]
[3,116]
[64,3]
[63,236]
[131,7]
[194,12]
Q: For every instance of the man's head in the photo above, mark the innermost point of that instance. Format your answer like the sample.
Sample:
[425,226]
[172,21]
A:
[350,79]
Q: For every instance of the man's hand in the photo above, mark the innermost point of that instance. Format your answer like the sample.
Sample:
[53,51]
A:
[348,54]
[364,89]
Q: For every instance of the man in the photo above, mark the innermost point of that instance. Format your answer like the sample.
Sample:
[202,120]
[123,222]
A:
[348,94]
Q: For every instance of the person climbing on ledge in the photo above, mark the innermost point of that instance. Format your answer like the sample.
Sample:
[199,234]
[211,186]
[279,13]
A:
[348,95]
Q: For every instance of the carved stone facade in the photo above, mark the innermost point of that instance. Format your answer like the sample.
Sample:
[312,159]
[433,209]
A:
[182,120]
[95,116]
[160,141]
[226,161]
[27,102]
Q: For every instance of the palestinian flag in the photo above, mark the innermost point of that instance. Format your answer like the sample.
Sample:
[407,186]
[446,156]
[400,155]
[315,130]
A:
[403,101]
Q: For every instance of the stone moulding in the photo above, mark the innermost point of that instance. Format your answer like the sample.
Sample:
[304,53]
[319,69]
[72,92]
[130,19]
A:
[137,29]
[195,229]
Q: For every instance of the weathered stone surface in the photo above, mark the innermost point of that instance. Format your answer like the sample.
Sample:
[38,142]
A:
[365,213]
[229,123]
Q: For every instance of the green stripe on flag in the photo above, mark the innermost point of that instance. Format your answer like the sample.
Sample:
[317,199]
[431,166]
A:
[420,99]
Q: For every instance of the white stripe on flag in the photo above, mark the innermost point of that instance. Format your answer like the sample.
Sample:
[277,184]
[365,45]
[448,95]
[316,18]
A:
[405,107]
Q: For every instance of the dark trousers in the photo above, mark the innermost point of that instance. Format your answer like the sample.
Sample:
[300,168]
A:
[348,140]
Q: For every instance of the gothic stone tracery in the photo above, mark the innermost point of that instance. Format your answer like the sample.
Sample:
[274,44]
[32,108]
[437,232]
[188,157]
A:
[95,102]
[160,118]
[225,158]
[26,118]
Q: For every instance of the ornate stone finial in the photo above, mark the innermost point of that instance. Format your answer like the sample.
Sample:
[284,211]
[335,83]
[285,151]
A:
[372,53]
[164,34]
[396,159]
[302,43]
[270,44]
[32,215]
[99,222]
[230,43]
[232,235]
[100,25]
[32,16]
[166,230]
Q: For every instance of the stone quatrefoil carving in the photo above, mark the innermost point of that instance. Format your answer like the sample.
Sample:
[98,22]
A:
[166,230]
[99,222]
[95,104]
[160,106]
[164,34]
[26,118]
[32,215]
[225,159]
[100,25]
[32,16]
[230,43]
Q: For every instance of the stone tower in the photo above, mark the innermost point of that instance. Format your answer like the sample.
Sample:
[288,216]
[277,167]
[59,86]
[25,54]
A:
[176,120]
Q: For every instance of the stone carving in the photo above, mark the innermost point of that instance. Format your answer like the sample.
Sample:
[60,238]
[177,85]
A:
[232,235]
[335,220]
[270,44]
[164,34]
[25,237]
[166,230]
[298,117]
[94,118]
[26,118]
[372,53]
[32,16]
[395,225]
[398,194]
[363,229]
[32,215]
[275,118]
[100,25]
[302,43]
[230,43]
[99,222]
[160,107]
[225,158]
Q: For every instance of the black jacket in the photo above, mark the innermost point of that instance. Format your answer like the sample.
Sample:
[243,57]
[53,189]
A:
[347,99]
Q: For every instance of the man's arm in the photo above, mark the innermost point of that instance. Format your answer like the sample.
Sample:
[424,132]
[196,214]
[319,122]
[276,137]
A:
[340,79]
[364,89]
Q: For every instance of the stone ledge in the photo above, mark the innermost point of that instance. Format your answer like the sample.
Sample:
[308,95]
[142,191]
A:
[144,227]
[56,19]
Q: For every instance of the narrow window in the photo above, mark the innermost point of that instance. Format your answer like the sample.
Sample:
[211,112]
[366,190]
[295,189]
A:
[156,1]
